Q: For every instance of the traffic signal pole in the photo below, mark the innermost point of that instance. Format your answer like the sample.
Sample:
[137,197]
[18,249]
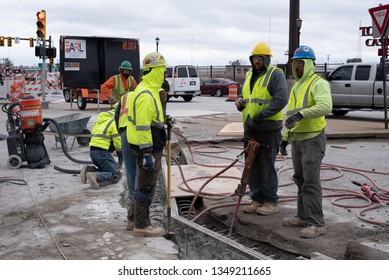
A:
[41,33]
[43,77]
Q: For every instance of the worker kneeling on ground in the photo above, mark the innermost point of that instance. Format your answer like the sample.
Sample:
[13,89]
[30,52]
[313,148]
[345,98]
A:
[105,140]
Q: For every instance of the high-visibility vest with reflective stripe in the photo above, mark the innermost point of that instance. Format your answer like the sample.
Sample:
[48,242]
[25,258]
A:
[104,131]
[305,100]
[123,114]
[139,125]
[259,98]
[119,90]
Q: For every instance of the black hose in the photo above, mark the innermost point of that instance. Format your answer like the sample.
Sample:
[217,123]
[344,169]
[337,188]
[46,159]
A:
[69,171]
[63,146]
[11,115]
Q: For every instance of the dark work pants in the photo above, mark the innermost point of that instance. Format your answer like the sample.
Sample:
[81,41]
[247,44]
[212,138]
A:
[139,210]
[307,156]
[263,178]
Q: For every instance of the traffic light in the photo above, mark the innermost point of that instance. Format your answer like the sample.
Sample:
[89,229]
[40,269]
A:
[1,41]
[31,42]
[9,41]
[52,61]
[41,24]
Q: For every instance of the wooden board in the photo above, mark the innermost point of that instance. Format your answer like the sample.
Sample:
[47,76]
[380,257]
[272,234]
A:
[232,129]
[196,176]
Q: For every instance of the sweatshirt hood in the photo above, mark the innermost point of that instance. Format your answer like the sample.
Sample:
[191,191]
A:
[154,79]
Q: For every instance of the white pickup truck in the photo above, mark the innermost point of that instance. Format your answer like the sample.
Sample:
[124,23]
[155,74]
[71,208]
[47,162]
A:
[357,86]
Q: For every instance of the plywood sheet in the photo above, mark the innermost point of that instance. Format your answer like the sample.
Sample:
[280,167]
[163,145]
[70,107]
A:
[232,129]
[196,176]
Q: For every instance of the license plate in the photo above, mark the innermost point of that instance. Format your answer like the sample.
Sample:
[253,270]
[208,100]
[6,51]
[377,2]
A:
[192,83]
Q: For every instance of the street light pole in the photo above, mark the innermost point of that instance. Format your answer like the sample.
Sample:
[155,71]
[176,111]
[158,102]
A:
[299,23]
[157,42]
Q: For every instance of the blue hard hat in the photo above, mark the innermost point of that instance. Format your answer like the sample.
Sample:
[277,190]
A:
[304,52]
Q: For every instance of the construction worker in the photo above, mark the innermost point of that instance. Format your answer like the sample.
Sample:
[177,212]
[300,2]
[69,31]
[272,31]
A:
[105,140]
[264,95]
[309,102]
[130,163]
[118,85]
[147,137]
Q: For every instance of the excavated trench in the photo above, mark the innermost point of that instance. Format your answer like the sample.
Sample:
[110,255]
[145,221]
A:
[207,238]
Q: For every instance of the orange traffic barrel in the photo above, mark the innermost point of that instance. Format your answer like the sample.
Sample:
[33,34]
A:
[15,92]
[30,113]
[232,93]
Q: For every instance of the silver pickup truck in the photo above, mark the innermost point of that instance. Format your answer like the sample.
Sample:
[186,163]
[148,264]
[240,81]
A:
[357,86]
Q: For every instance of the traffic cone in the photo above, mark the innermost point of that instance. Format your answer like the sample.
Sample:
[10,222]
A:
[232,93]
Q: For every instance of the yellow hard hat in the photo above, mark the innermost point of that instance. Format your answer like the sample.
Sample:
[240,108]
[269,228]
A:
[262,49]
[154,59]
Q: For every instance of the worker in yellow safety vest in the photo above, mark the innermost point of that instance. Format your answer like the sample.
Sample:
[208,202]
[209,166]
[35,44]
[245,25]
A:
[309,101]
[147,137]
[264,95]
[130,163]
[105,140]
[118,85]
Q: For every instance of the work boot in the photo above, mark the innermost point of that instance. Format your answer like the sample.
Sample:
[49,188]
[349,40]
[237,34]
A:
[84,170]
[150,231]
[92,177]
[130,225]
[252,207]
[313,231]
[267,209]
[295,222]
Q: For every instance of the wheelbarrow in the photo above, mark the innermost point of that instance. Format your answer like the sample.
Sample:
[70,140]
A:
[73,125]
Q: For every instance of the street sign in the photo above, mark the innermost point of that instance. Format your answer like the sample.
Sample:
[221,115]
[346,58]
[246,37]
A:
[17,39]
[380,16]
[7,71]
[380,53]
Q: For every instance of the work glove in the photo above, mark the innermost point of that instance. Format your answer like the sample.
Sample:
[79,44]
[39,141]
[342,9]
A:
[283,146]
[112,100]
[292,120]
[252,124]
[240,103]
[148,161]
[170,120]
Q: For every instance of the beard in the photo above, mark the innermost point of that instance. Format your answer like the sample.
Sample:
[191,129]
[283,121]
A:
[126,75]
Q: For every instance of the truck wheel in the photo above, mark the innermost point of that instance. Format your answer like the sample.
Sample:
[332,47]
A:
[188,98]
[84,141]
[67,95]
[14,162]
[81,102]
[339,112]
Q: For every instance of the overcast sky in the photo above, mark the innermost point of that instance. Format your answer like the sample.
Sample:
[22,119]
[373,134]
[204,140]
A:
[200,32]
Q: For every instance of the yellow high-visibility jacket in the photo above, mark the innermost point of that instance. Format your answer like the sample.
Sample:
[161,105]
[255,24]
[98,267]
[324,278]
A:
[104,132]
[145,114]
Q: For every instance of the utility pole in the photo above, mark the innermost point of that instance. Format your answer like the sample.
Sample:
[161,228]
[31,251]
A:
[294,14]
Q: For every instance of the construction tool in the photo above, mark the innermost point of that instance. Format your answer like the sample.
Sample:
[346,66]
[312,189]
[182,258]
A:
[169,155]
[251,152]
[370,191]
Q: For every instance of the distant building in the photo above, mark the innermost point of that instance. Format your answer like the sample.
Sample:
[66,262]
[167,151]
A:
[353,60]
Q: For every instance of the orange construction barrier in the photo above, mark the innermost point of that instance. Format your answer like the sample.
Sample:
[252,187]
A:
[21,89]
[232,93]
[15,91]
